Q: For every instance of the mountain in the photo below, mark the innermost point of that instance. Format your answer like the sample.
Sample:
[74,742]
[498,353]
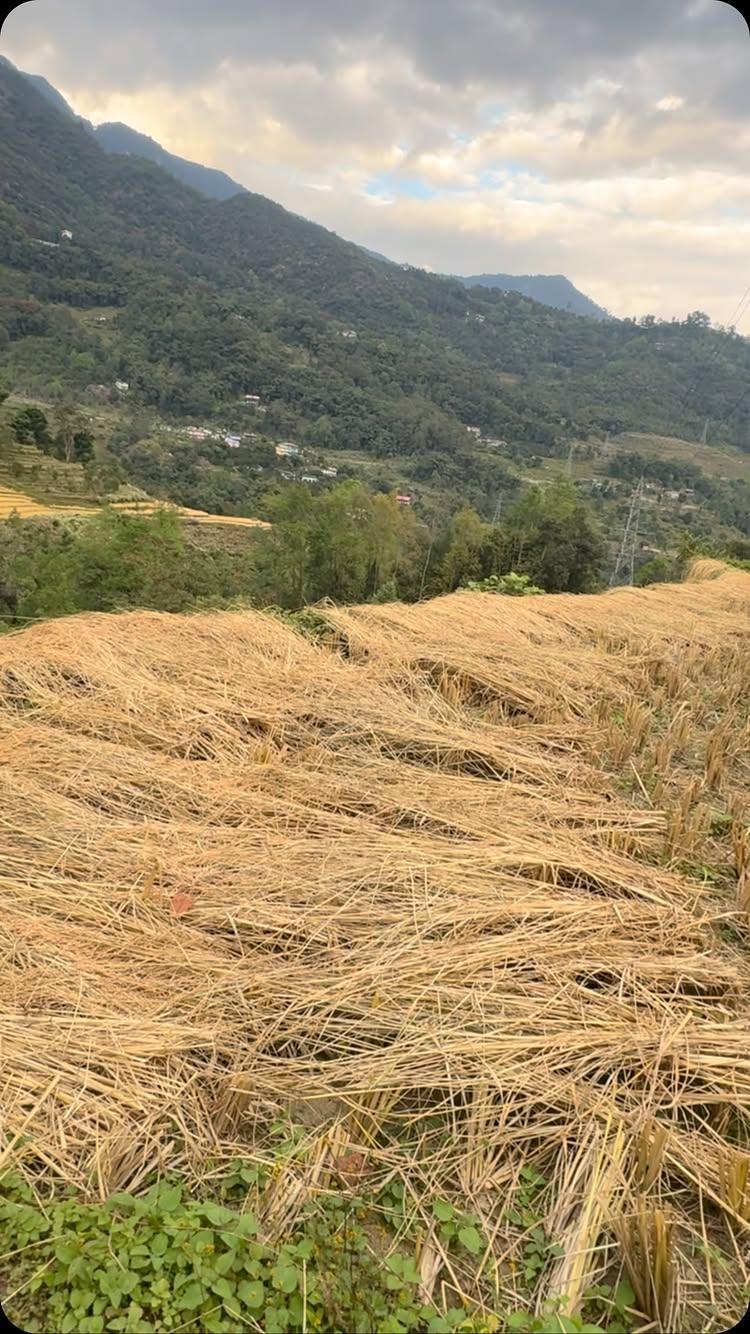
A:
[196,301]
[374,254]
[116,138]
[52,95]
[551,290]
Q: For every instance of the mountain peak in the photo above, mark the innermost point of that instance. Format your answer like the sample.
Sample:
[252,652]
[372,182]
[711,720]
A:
[552,289]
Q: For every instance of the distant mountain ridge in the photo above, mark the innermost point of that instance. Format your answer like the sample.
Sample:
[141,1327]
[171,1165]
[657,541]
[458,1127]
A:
[114,137]
[549,289]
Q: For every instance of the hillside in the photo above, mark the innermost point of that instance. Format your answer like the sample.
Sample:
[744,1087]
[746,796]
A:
[443,913]
[551,290]
[204,301]
[117,138]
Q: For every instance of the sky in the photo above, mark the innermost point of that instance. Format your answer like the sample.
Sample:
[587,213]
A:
[603,140]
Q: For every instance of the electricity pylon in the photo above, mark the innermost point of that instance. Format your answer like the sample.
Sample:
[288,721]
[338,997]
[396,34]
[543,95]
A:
[625,563]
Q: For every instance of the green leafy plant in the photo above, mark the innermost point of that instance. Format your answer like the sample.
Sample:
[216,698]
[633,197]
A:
[510,585]
[163,1262]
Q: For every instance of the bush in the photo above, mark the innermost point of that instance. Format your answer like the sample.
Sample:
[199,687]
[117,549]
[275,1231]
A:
[510,585]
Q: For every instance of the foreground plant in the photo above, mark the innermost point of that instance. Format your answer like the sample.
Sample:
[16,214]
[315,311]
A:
[165,1262]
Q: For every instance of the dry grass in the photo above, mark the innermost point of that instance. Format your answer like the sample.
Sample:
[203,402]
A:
[426,885]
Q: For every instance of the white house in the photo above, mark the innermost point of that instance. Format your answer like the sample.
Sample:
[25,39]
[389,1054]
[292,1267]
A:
[475,430]
[122,385]
[308,477]
[234,441]
[404,500]
[286,450]
[330,472]
[252,400]
[65,235]
[348,333]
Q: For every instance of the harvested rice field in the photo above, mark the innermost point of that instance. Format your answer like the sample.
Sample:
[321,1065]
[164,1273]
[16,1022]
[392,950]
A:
[17,502]
[461,889]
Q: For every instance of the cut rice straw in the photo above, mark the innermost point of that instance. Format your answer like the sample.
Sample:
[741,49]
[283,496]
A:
[240,870]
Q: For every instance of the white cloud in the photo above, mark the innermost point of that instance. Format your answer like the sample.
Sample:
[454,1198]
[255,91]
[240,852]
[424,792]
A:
[604,141]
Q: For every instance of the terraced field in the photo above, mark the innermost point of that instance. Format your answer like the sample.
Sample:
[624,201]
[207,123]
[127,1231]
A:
[13,501]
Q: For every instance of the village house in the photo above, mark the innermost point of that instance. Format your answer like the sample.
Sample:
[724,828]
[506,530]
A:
[122,385]
[308,477]
[475,430]
[348,333]
[234,441]
[330,472]
[66,235]
[403,500]
[286,450]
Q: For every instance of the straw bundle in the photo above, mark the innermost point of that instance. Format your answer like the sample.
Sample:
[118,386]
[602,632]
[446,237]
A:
[400,869]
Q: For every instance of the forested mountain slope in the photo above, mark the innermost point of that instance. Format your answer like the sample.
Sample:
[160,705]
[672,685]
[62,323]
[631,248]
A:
[206,300]
[550,289]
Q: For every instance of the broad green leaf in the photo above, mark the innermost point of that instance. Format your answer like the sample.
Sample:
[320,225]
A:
[624,1295]
[223,1287]
[169,1197]
[252,1294]
[443,1210]
[159,1243]
[66,1252]
[191,1296]
[217,1214]
[470,1239]
[286,1277]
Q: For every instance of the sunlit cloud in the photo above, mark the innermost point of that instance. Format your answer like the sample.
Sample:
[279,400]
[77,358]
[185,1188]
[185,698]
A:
[604,141]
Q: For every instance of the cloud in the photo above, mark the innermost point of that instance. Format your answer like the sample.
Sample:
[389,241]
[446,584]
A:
[585,136]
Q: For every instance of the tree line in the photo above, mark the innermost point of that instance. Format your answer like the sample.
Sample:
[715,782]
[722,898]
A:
[349,544]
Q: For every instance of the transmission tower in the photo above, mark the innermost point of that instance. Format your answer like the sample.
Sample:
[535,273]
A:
[624,570]
[498,508]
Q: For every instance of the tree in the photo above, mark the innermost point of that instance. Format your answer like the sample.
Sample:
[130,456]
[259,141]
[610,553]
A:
[462,559]
[30,427]
[83,446]
[551,535]
[67,423]
[347,543]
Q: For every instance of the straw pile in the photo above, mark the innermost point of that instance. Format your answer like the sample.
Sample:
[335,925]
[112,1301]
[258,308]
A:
[437,873]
